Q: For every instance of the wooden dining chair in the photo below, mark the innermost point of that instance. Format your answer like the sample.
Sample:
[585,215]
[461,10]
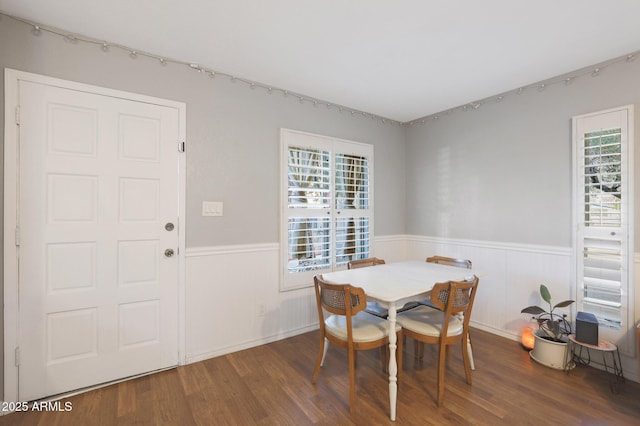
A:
[450,261]
[344,323]
[458,263]
[374,308]
[363,263]
[443,326]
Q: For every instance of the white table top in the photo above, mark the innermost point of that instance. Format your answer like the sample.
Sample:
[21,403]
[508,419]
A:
[392,282]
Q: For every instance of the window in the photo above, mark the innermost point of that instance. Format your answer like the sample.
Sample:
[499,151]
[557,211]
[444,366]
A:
[602,146]
[327,200]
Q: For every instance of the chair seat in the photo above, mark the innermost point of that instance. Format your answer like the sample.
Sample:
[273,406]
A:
[428,321]
[365,327]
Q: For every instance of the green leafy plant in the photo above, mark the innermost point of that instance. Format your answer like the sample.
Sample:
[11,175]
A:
[554,326]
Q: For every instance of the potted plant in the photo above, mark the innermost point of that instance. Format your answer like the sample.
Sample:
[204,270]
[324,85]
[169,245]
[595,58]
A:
[551,345]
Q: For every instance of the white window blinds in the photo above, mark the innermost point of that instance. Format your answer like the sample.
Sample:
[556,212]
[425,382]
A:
[308,188]
[327,216]
[603,209]
[309,175]
[602,257]
[602,158]
[352,207]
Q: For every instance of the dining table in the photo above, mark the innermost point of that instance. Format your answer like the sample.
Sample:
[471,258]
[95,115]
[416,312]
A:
[392,285]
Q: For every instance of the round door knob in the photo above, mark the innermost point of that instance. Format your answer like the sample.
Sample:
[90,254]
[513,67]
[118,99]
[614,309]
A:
[168,252]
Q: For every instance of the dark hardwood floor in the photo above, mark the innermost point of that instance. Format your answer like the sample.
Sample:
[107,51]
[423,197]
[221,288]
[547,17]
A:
[271,385]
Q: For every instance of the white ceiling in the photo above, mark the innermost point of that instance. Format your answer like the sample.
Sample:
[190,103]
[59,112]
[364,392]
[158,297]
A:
[401,59]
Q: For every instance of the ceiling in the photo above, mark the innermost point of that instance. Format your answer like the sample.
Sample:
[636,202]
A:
[399,60]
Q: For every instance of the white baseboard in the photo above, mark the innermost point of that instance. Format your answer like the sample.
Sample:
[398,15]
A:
[191,358]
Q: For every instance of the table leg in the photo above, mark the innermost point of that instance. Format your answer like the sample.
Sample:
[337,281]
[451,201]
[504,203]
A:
[393,365]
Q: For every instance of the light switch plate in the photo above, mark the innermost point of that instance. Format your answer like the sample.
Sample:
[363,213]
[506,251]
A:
[212,208]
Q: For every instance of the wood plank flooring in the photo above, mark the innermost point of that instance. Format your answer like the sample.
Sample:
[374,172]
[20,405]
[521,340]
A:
[271,385]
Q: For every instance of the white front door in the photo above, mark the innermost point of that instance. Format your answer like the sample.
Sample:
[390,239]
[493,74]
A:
[97,236]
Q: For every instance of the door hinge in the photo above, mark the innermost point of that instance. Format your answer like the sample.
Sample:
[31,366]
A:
[17,355]
[182,146]
[17,236]
[18,115]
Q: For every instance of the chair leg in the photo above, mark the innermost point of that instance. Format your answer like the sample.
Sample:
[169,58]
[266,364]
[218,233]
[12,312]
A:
[384,358]
[418,349]
[441,365]
[470,350]
[352,378]
[465,360]
[473,366]
[399,355]
[322,352]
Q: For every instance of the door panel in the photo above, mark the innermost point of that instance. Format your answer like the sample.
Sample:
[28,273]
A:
[98,179]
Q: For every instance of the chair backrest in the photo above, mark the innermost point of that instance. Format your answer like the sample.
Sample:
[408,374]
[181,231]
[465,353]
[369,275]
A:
[464,293]
[450,261]
[363,263]
[333,298]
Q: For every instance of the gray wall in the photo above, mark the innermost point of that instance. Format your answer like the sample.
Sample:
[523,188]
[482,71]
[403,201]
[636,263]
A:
[503,172]
[232,135]
[232,132]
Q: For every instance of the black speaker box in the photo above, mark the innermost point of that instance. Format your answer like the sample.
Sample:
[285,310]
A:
[587,328]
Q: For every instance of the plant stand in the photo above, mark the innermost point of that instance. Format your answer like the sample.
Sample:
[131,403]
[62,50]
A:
[577,357]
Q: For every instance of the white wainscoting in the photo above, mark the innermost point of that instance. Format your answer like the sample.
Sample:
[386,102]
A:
[233,300]
[511,275]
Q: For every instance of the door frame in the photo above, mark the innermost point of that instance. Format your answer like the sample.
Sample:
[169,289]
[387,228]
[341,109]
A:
[10,258]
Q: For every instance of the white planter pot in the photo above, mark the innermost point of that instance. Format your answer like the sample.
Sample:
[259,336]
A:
[551,354]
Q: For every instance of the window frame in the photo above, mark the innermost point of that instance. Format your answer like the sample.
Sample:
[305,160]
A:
[335,147]
[582,125]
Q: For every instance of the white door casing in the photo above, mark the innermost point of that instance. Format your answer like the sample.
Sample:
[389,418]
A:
[97,176]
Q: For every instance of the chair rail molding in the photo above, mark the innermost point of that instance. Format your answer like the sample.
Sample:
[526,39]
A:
[231,249]
[532,248]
